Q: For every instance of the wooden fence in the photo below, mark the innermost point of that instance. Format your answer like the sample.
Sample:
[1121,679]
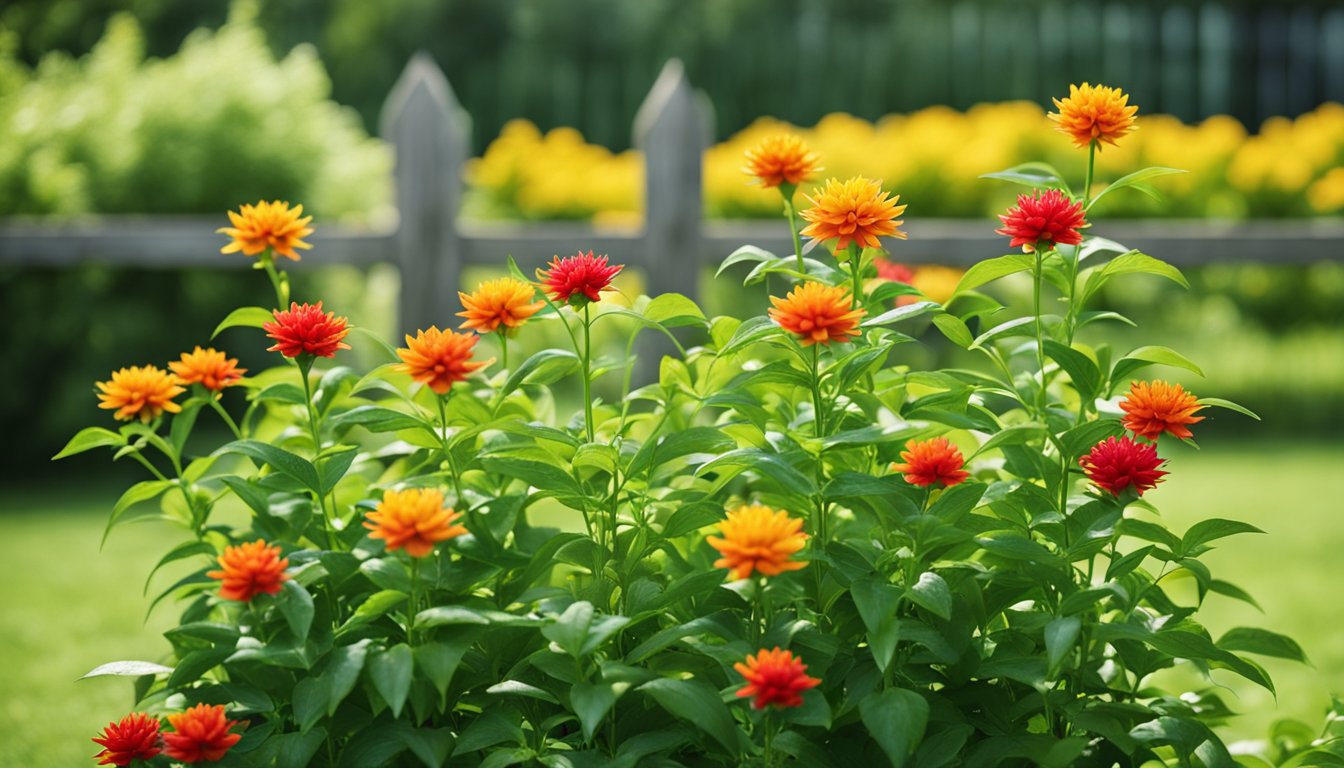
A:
[430,132]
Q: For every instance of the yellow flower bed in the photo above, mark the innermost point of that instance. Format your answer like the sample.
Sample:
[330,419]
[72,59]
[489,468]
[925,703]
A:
[933,159]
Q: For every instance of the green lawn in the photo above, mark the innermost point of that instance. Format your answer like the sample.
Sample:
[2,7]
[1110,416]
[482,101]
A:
[69,607]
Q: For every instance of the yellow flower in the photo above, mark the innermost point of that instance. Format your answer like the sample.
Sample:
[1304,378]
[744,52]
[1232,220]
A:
[268,225]
[758,539]
[138,392]
[781,159]
[506,301]
[414,520]
[1094,113]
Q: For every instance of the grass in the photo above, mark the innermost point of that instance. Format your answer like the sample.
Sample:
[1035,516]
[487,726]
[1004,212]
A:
[69,607]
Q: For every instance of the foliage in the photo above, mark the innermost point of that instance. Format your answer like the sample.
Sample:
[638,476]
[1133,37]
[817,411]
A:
[1009,614]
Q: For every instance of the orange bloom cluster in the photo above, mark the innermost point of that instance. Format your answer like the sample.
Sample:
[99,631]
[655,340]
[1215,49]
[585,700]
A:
[414,520]
[817,313]
[304,329]
[758,539]
[578,279]
[505,302]
[268,225]
[210,368]
[1094,113]
[250,569]
[438,358]
[932,461]
[136,737]
[856,211]
[1042,219]
[1152,408]
[1119,463]
[201,734]
[783,159]
[774,677]
[140,392]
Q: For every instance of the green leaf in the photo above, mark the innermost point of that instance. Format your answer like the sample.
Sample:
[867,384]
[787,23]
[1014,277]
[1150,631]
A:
[1134,179]
[1145,356]
[747,253]
[1017,434]
[310,701]
[1228,404]
[297,606]
[545,367]
[750,332]
[1212,529]
[990,270]
[1083,372]
[591,702]
[1060,635]
[431,745]
[439,660]
[377,418]
[249,317]
[145,490]
[674,309]
[127,669]
[343,668]
[1262,642]
[1036,175]
[903,313]
[878,602]
[89,438]
[375,605]
[281,460]
[1022,326]
[696,703]
[580,632]
[519,688]
[282,392]
[1131,263]
[193,665]
[955,329]
[658,451]
[896,719]
[762,462]
[931,593]
[1080,439]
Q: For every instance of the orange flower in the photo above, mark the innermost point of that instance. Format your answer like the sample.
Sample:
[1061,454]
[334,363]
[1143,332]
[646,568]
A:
[774,677]
[267,225]
[305,330]
[439,358]
[758,539]
[1152,408]
[782,159]
[1094,113]
[140,392]
[854,211]
[250,569]
[208,367]
[932,461]
[414,520]
[201,734]
[136,737]
[506,301]
[817,313]
[1119,463]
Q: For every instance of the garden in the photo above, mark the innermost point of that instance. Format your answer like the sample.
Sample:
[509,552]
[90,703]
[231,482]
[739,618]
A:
[1058,506]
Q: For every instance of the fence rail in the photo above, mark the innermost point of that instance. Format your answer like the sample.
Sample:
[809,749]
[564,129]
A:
[429,132]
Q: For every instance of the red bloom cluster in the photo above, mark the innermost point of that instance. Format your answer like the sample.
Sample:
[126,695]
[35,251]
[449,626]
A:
[304,329]
[136,737]
[1119,463]
[1038,221]
[250,569]
[578,279]
[200,734]
[774,677]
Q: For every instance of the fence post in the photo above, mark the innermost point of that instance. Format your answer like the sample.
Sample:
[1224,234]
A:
[430,135]
[673,128]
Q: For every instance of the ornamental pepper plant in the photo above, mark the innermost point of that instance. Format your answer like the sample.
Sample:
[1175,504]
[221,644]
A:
[790,548]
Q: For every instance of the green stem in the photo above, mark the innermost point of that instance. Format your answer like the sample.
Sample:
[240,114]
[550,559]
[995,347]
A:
[278,280]
[855,264]
[587,371]
[153,470]
[223,414]
[413,606]
[819,421]
[304,369]
[793,229]
[1037,275]
[503,348]
[447,452]
[768,751]
[1091,167]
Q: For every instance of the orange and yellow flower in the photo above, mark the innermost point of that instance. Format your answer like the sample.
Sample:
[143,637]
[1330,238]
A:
[1152,408]
[140,392]
[250,569]
[758,539]
[856,211]
[817,312]
[268,225]
[1094,113]
[931,461]
[208,367]
[774,677]
[781,159]
[136,737]
[201,734]
[504,302]
[437,358]
[304,329]
[414,520]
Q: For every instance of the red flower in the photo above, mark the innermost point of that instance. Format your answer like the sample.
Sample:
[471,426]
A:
[305,330]
[1119,463]
[578,279]
[1152,408]
[136,737]
[890,270]
[1049,217]
[774,677]
[932,461]
[250,569]
[200,734]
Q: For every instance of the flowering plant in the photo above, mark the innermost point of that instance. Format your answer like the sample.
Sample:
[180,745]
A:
[789,547]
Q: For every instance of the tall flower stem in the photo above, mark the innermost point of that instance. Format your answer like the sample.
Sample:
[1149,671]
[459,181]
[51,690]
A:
[855,265]
[1037,275]
[223,414]
[1091,168]
[503,348]
[768,745]
[793,227]
[587,371]
[305,366]
[819,424]
[413,606]
[279,281]
[442,401]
